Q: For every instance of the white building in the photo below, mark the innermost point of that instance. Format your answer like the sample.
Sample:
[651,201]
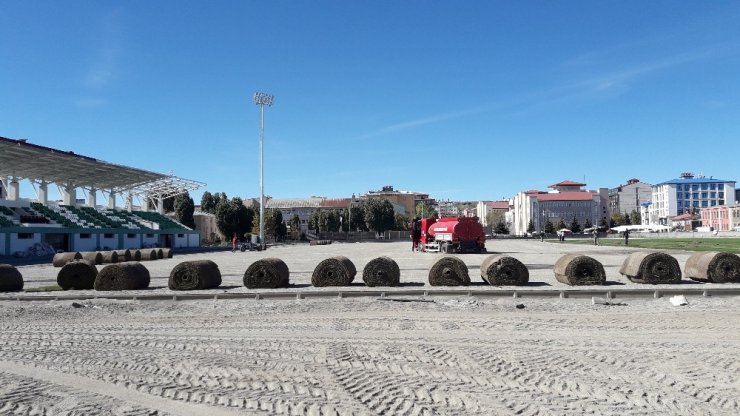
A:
[688,194]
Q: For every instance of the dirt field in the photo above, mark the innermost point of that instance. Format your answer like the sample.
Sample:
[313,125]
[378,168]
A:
[454,355]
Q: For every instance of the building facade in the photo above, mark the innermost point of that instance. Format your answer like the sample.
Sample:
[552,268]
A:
[404,202]
[629,196]
[566,201]
[688,194]
[483,208]
[722,218]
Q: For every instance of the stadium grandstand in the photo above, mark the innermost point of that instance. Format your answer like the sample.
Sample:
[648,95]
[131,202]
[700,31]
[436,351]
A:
[72,224]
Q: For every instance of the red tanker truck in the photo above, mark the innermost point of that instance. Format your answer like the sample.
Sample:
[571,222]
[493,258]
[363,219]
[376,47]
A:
[452,235]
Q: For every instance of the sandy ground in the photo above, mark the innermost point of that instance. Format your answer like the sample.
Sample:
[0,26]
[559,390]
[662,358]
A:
[454,355]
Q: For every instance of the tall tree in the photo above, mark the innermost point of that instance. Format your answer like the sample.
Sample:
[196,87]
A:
[501,228]
[588,224]
[626,218]
[636,217]
[332,221]
[295,227]
[184,208]
[424,210]
[208,203]
[575,226]
[379,214]
[400,223]
[358,218]
[549,227]
[561,224]
[617,220]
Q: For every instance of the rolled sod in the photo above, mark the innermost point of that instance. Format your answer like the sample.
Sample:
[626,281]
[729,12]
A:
[135,255]
[93,256]
[334,271]
[319,242]
[449,271]
[652,268]
[501,270]
[196,274]
[77,274]
[128,275]
[149,254]
[267,273]
[713,267]
[124,255]
[10,278]
[160,253]
[167,253]
[381,271]
[579,270]
[110,257]
[60,259]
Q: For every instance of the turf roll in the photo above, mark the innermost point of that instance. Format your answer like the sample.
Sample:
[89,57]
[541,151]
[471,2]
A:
[128,275]
[135,255]
[652,268]
[167,253]
[193,275]
[334,271]
[449,271]
[60,259]
[148,254]
[579,270]
[124,255]
[110,257]
[381,271]
[160,253]
[77,274]
[267,273]
[713,267]
[501,270]
[10,278]
[95,257]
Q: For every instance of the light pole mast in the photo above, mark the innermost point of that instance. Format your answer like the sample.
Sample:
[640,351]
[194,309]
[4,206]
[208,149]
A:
[262,99]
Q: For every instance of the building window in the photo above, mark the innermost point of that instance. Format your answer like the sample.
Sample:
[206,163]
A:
[713,195]
[180,235]
[85,236]
[107,235]
[130,235]
[704,204]
[704,195]
[721,194]
[712,186]
[695,187]
[695,195]
[695,203]
[714,203]
[149,235]
[704,186]
[25,236]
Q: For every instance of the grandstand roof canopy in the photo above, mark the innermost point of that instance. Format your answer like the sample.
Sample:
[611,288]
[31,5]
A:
[33,162]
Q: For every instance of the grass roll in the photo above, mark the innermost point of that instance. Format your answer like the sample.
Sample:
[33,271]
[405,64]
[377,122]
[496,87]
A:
[501,270]
[110,257]
[160,253]
[124,255]
[652,268]
[196,274]
[449,271]
[60,259]
[135,255]
[95,257]
[167,253]
[334,271]
[10,278]
[128,275]
[713,267]
[579,270]
[148,254]
[267,273]
[77,274]
[381,271]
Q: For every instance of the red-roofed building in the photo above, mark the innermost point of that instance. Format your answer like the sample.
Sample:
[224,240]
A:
[484,208]
[565,202]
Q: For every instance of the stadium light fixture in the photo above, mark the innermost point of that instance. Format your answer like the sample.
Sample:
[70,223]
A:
[262,99]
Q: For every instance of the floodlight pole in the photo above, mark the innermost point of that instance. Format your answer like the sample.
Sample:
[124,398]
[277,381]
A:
[261,99]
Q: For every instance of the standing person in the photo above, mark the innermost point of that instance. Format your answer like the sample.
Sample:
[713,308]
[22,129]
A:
[542,236]
[233,243]
[415,233]
[596,236]
[626,237]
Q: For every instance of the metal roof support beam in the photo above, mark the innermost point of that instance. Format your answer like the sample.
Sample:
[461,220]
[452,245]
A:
[69,194]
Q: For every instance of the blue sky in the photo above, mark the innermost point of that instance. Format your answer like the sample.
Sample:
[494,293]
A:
[463,100]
